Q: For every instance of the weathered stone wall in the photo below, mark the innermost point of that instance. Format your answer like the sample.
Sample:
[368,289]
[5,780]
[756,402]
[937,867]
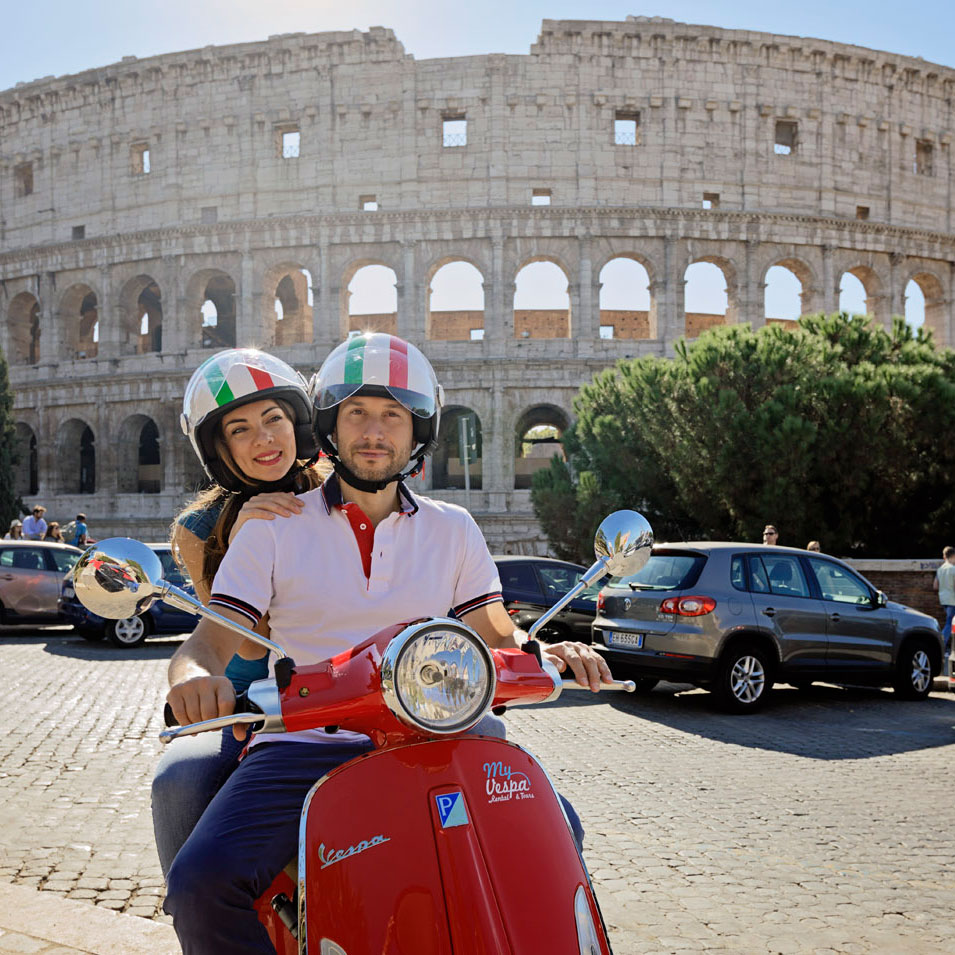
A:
[221,214]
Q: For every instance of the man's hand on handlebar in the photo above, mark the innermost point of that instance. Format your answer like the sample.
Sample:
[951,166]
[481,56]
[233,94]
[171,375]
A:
[582,662]
[203,698]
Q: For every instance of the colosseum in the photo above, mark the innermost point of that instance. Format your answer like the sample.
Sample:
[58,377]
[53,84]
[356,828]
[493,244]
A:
[156,209]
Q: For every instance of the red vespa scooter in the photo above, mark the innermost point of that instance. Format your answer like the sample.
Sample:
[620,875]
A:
[436,842]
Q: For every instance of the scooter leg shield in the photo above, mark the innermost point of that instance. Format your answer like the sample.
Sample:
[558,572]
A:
[441,847]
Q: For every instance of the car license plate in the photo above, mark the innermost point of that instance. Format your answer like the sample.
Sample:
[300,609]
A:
[624,638]
[69,592]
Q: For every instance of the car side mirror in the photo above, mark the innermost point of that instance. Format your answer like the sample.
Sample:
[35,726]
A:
[880,599]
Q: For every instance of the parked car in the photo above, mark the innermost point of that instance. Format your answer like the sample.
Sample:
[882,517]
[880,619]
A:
[735,618]
[31,579]
[532,585]
[129,632]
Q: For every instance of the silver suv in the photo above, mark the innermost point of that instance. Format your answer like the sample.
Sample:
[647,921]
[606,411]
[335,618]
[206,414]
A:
[734,618]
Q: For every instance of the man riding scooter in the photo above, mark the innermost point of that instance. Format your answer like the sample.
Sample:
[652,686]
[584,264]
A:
[363,554]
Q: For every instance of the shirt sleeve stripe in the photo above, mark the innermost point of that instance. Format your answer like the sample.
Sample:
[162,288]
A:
[240,606]
[476,602]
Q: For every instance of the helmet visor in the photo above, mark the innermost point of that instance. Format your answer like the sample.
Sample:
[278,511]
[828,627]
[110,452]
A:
[420,405]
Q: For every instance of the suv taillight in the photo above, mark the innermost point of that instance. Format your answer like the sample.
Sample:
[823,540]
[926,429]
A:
[688,606]
[600,602]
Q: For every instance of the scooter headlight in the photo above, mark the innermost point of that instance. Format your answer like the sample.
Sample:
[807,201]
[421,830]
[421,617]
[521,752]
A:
[438,676]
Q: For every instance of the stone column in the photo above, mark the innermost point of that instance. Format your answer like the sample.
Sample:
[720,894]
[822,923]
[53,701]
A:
[498,453]
[494,301]
[411,324]
[830,284]
[671,318]
[896,289]
[325,330]
[249,323]
[51,335]
[585,324]
[110,315]
[753,290]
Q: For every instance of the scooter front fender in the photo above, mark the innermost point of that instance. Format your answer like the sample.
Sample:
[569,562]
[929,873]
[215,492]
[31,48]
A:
[441,847]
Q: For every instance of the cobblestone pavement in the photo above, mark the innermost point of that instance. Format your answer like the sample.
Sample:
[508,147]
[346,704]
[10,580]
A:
[816,826]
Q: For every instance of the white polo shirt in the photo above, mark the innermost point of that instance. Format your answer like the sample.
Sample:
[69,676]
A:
[329,579]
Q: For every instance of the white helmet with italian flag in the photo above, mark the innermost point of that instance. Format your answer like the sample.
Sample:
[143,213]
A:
[232,378]
[383,366]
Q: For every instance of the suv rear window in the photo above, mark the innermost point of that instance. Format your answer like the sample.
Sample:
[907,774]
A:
[668,570]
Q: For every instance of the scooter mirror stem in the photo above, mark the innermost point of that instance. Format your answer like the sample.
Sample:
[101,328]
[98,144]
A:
[597,570]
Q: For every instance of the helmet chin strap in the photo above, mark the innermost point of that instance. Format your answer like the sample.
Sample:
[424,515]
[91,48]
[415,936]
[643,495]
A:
[373,487]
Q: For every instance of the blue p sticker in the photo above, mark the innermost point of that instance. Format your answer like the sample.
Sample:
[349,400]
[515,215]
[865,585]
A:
[452,810]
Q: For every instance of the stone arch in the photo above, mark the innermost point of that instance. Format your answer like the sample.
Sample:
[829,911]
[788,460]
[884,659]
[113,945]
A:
[699,319]
[536,440]
[211,307]
[933,290]
[447,465]
[624,309]
[75,458]
[289,303]
[27,478]
[539,288]
[23,329]
[79,321]
[871,285]
[139,466]
[140,303]
[377,302]
[803,273]
[456,285]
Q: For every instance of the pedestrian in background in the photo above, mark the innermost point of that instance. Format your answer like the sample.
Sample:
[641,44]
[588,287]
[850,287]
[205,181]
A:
[814,546]
[945,586]
[770,534]
[80,531]
[34,527]
[53,532]
[15,532]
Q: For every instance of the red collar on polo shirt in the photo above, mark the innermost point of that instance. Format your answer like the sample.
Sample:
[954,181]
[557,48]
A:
[361,526]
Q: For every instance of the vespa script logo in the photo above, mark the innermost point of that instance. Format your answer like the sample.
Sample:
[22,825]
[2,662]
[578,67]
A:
[504,784]
[329,857]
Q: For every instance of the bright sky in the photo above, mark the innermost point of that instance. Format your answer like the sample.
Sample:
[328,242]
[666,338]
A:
[57,37]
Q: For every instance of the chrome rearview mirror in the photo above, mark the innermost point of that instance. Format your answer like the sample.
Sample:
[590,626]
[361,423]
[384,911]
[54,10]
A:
[624,539]
[120,577]
[622,545]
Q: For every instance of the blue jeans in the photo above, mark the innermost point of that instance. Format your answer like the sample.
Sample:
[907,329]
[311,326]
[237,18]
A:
[947,628]
[191,771]
[244,839]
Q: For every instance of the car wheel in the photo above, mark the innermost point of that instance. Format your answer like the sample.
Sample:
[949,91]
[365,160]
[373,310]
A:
[128,632]
[742,680]
[913,672]
[94,636]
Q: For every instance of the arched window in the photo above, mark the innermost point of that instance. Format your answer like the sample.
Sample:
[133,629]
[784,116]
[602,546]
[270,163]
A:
[292,304]
[541,302]
[372,300]
[75,458]
[217,312]
[79,321]
[706,302]
[149,310]
[459,450]
[537,440]
[23,324]
[852,295]
[624,299]
[456,303]
[925,303]
[783,298]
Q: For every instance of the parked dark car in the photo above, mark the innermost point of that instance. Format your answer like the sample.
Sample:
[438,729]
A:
[735,618]
[160,618]
[532,585]
[31,578]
